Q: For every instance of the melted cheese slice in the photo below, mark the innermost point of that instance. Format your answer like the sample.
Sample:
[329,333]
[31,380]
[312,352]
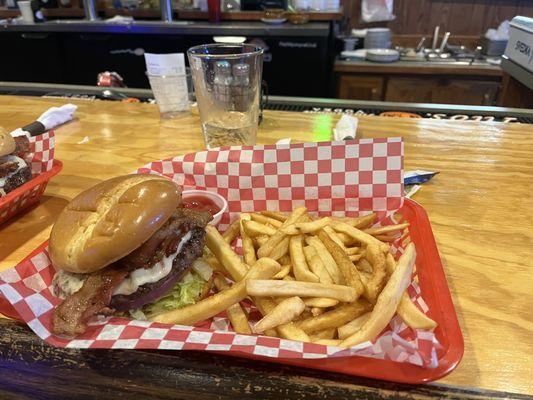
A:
[142,276]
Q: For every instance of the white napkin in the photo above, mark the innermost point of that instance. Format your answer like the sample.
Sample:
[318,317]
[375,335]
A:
[57,115]
[346,128]
[284,141]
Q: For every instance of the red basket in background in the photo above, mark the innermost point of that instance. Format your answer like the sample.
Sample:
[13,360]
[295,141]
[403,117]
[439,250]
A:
[26,195]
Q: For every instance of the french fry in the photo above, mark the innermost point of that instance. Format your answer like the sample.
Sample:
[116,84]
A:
[352,326]
[285,269]
[292,332]
[286,331]
[281,249]
[206,288]
[254,228]
[232,232]
[248,249]
[316,265]
[363,266]
[306,227]
[262,287]
[334,318]
[359,222]
[383,230]
[329,342]
[286,259]
[283,313]
[322,302]
[390,264]
[236,314]
[351,251]
[350,274]
[211,306]
[377,281]
[346,239]
[327,259]
[315,311]
[325,334]
[334,236]
[216,266]
[275,239]
[300,268]
[261,240]
[288,278]
[407,310]
[280,216]
[266,220]
[388,300]
[221,249]
[386,238]
[355,257]
[412,315]
[360,236]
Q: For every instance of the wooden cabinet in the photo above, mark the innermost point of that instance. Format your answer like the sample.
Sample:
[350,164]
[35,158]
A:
[418,83]
[360,87]
[450,90]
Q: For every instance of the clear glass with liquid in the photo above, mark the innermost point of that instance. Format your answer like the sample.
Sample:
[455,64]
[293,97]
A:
[227,83]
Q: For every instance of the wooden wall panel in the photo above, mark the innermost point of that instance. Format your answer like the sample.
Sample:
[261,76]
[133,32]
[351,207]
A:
[460,17]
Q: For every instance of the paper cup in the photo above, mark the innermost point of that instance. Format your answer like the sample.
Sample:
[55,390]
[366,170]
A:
[26,11]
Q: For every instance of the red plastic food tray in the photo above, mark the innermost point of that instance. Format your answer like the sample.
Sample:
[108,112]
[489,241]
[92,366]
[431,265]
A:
[434,290]
[26,195]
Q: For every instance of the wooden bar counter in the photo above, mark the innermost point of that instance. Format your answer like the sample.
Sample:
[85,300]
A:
[480,207]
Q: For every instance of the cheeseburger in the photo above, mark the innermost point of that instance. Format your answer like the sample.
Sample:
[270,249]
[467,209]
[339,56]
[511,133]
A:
[126,245]
[13,169]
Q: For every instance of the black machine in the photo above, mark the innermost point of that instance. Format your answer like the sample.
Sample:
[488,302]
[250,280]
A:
[255,5]
[297,60]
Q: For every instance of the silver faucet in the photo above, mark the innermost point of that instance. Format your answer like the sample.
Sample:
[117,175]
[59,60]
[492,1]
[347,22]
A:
[477,55]
[166,10]
[90,10]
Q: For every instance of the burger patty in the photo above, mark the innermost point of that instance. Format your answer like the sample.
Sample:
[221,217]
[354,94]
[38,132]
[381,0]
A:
[94,297]
[17,179]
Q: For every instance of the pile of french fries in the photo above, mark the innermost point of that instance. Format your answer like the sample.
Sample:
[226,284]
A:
[326,280]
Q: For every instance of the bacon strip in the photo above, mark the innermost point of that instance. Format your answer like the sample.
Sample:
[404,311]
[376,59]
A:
[70,317]
[7,168]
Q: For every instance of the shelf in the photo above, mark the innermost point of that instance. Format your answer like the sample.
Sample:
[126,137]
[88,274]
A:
[255,15]
[71,12]
[75,12]
[63,12]
[135,13]
[9,12]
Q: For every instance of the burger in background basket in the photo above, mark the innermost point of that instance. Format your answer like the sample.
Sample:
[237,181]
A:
[127,245]
[14,171]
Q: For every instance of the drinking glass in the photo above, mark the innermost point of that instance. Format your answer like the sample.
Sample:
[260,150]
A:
[227,83]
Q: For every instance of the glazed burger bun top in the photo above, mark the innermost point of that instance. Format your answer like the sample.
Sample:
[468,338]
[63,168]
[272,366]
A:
[110,220]
[7,143]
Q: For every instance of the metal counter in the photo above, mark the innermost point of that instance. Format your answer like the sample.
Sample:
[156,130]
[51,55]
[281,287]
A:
[294,104]
[315,29]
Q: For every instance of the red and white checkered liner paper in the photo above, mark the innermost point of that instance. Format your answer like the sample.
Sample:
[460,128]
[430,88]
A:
[41,159]
[339,177]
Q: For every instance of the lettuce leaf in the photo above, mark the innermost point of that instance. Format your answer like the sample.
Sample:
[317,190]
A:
[184,293]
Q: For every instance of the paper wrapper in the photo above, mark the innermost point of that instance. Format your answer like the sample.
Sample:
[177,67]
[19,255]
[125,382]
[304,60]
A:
[40,159]
[343,178]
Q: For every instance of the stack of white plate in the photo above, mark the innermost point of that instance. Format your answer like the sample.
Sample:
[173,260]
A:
[382,55]
[359,54]
[378,38]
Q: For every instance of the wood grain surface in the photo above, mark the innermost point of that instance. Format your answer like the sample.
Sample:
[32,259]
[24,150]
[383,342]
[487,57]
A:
[479,205]
[460,17]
